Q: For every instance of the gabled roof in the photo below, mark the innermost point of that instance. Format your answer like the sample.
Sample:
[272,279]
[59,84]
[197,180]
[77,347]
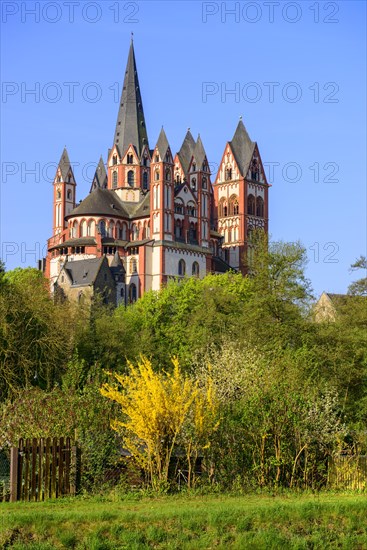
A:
[162,144]
[199,153]
[64,164]
[130,125]
[100,176]
[186,151]
[83,272]
[242,147]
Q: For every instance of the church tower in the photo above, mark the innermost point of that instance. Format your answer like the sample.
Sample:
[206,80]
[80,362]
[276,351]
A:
[64,193]
[241,198]
[129,158]
[162,190]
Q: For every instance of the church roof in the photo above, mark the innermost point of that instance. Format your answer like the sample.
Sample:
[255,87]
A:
[186,151]
[162,143]
[64,164]
[83,272]
[105,202]
[242,147]
[100,176]
[199,153]
[130,125]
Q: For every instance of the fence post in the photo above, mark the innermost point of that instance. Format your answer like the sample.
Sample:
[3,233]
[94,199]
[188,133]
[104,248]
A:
[14,454]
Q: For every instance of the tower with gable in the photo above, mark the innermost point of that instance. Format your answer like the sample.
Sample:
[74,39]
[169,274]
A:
[152,215]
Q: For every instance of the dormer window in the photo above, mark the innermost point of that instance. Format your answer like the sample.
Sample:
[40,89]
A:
[194,167]
[130,159]
[157,158]
[114,159]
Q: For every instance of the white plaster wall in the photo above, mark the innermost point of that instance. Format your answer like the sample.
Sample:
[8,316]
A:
[172,257]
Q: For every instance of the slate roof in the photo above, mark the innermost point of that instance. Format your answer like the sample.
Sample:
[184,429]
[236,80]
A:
[64,164]
[83,272]
[105,202]
[242,147]
[199,153]
[130,124]
[100,176]
[186,151]
[82,241]
[220,266]
[162,143]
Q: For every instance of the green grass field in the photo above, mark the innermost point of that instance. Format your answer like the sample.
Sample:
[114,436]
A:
[304,521]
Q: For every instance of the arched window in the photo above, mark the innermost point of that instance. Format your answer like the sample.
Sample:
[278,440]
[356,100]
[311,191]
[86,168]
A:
[90,228]
[124,232]
[148,230]
[204,183]
[254,170]
[195,269]
[251,205]
[236,207]
[192,233]
[114,179]
[130,178]
[156,175]
[181,268]
[111,230]
[69,194]
[132,293]
[221,207]
[58,194]
[179,208]
[145,161]
[83,229]
[228,175]
[178,229]
[130,159]
[74,230]
[114,159]
[134,232]
[193,184]
[260,207]
[250,234]
[168,175]
[133,266]
[102,228]
[145,180]
[178,179]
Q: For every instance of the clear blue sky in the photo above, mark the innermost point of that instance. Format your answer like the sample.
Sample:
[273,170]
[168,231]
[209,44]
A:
[297,71]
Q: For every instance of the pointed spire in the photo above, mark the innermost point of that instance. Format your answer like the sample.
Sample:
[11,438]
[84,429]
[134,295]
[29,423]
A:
[186,151]
[162,143]
[64,164]
[130,125]
[242,147]
[199,153]
[100,177]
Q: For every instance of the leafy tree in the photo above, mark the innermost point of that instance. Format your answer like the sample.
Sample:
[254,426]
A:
[36,336]
[359,287]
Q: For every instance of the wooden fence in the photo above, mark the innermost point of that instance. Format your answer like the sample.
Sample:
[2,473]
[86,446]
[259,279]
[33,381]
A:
[42,469]
[348,472]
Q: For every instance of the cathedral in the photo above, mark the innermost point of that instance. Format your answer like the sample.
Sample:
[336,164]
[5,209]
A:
[152,215]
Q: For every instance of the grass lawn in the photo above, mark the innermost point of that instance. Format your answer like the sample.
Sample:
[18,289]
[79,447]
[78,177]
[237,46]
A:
[246,522]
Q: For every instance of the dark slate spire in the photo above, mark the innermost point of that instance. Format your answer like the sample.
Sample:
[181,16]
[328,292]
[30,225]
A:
[186,151]
[162,144]
[199,153]
[130,125]
[100,177]
[64,164]
[242,147]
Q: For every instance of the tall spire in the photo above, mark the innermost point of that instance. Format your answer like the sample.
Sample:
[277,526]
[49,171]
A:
[130,125]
